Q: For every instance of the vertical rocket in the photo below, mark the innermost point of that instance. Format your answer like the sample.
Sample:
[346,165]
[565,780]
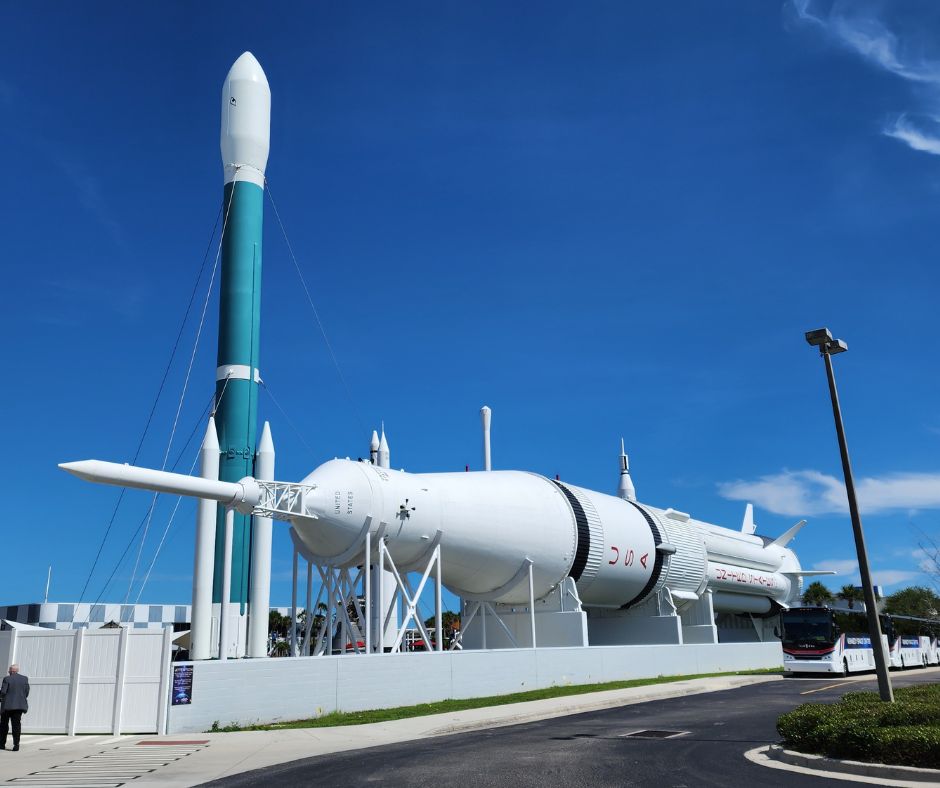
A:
[245,141]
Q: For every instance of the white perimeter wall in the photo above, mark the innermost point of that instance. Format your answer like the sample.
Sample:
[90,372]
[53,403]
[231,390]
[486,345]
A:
[267,690]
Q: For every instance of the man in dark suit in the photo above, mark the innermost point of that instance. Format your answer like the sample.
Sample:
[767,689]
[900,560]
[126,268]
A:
[13,693]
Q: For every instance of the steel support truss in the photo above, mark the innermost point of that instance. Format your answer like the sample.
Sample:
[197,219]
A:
[281,500]
[473,604]
[354,616]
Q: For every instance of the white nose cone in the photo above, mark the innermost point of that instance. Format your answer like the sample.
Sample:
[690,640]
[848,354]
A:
[246,121]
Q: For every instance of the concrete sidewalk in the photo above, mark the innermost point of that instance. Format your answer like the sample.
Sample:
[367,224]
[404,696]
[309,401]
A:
[183,760]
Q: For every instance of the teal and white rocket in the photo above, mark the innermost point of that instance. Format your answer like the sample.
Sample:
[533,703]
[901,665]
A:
[245,141]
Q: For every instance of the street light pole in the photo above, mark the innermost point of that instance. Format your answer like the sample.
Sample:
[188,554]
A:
[827,347]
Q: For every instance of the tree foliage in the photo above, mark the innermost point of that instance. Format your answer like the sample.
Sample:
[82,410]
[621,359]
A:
[278,624]
[917,601]
[450,623]
[817,594]
[851,594]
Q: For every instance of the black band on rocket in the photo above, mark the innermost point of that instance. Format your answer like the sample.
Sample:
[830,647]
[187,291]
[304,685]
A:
[657,564]
[584,533]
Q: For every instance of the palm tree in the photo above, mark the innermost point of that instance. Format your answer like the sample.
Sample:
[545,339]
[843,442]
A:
[851,594]
[817,594]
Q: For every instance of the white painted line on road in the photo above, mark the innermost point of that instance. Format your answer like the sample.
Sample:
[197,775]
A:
[823,689]
[111,768]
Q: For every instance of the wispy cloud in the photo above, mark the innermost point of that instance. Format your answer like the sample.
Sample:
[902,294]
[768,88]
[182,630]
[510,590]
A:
[809,492]
[902,129]
[846,570]
[890,577]
[858,27]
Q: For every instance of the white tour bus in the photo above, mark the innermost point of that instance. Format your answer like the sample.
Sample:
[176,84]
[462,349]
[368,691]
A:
[820,640]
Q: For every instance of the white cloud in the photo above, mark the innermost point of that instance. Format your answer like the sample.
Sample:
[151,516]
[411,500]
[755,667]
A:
[890,577]
[857,28]
[846,570]
[902,129]
[809,492]
[794,493]
[841,566]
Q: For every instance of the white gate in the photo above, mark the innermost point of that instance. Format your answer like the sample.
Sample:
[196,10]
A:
[92,680]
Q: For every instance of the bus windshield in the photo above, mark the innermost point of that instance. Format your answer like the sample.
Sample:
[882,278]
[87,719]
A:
[807,626]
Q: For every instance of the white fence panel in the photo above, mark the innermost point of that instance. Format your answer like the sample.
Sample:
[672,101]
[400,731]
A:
[92,681]
[145,681]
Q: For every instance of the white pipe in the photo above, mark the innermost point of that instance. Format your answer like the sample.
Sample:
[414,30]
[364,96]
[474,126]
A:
[293,607]
[200,635]
[259,605]
[308,611]
[367,583]
[226,585]
[532,604]
[438,616]
[486,415]
[379,614]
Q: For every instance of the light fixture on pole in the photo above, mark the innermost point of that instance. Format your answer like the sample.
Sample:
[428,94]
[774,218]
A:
[828,347]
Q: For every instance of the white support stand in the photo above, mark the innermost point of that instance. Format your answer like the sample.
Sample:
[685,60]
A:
[655,621]
[293,605]
[698,621]
[411,597]
[360,609]
[556,619]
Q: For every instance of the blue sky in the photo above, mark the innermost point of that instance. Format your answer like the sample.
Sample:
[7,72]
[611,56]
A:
[601,219]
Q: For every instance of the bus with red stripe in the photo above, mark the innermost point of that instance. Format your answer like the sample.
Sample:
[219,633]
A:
[821,640]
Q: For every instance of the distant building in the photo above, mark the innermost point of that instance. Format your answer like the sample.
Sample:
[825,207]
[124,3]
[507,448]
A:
[71,615]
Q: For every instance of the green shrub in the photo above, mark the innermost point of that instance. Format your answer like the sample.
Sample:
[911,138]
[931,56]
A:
[861,727]
[911,745]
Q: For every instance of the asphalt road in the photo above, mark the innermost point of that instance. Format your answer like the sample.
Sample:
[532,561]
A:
[590,749]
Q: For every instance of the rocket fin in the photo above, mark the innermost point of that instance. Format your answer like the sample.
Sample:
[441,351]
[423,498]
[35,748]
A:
[787,536]
[748,527]
[812,572]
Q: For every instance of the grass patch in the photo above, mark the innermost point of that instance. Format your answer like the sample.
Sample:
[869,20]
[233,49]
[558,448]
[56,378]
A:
[862,728]
[423,709]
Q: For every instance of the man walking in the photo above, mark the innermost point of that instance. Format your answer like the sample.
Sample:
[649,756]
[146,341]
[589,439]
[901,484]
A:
[13,693]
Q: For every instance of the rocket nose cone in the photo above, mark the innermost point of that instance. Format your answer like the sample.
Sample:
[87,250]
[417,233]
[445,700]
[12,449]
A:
[76,468]
[247,68]
[246,122]
[266,442]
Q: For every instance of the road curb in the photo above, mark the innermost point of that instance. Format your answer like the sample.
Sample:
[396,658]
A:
[882,771]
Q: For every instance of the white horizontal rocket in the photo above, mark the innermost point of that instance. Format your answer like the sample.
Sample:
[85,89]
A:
[490,524]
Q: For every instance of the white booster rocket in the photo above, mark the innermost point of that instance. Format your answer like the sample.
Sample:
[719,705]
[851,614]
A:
[618,551]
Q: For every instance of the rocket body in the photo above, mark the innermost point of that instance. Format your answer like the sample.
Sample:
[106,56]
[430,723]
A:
[244,142]
[491,525]
[618,552]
